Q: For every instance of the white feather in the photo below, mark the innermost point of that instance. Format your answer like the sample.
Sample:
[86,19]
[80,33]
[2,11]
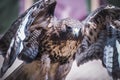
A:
[118,49]
[20,34]
[108,57]
[11,44]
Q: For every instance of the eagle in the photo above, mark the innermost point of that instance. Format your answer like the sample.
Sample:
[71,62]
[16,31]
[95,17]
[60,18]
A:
[48,45]
[101,40]
[42,41]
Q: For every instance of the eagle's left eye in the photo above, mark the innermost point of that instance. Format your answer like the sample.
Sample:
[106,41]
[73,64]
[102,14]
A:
[68,28]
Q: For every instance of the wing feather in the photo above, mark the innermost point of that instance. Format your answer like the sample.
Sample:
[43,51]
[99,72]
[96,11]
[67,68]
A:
[106,18]
[11,44]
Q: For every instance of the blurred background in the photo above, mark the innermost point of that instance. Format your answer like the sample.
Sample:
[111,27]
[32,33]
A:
[77,9]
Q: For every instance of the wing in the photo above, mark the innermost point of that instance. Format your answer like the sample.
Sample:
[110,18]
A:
[94,51]
[24,29]
[17,25]
[58,66]
[104,18]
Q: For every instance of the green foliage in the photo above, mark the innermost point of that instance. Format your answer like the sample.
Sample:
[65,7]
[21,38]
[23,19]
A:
[8,13]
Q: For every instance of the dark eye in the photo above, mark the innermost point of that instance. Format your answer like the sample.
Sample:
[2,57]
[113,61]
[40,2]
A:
[68,28]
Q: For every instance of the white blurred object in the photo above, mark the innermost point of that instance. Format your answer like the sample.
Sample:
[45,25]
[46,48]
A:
[92,70]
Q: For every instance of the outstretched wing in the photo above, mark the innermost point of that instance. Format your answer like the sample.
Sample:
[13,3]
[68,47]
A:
[19,26]
[11,44]
[104,18]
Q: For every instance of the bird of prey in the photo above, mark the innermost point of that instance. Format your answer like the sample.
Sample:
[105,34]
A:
[49,45]
[96,45]
[42,41]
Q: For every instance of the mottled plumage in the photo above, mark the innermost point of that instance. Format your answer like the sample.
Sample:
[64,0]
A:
[11,43]
[41,37]
[106,18]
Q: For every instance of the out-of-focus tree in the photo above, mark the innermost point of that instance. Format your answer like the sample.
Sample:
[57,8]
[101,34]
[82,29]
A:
[8,13]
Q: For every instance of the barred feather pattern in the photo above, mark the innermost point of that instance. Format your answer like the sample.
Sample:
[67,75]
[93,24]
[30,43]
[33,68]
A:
[101,19]
[30,49]
[15,45]
[17,24]
[11,44]
[111,52]
[93,51]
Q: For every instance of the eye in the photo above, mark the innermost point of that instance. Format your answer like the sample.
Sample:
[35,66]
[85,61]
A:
[68,28]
